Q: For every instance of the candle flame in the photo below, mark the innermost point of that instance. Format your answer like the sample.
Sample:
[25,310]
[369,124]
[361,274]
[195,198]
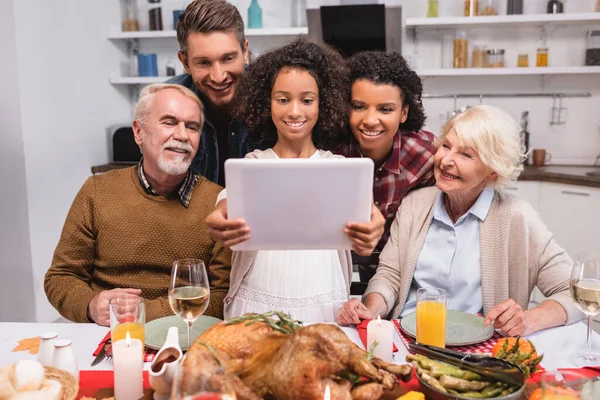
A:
[127,339]
[327,393]
[379,320]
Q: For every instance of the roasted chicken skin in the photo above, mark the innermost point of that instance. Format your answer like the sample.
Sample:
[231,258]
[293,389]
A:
[270,360]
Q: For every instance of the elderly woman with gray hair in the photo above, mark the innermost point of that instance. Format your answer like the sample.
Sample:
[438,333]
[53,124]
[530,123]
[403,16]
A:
[485,247]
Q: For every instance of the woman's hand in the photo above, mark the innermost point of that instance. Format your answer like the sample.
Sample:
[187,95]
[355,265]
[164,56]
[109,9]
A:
[366,236]
[509,317]
[353,312]
[224,231]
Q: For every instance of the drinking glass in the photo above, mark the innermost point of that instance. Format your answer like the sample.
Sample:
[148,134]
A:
[566,385]
[127,314]
[208,384]
[585,290]
[189,291]
[431,316]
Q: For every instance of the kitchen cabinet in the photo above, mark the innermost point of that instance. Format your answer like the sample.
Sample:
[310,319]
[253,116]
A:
[572,213]
[527,190]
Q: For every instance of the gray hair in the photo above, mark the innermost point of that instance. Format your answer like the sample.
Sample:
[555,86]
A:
[147,95]
[495,135]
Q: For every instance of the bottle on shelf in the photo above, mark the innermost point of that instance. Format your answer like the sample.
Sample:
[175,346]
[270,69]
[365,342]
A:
[541,59]
[130,21]
[489,8]
[170,68]
[471,8]
[555,7]
[478,56]
[299,13]
[155,15]
[461,50]
[254,15]
[432,8]
[514,7]
[522,60]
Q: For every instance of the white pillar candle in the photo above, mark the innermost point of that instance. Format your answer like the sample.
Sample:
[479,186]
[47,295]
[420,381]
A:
[128,364]
[382,332]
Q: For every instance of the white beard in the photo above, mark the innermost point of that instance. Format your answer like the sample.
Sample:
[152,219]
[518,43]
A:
[175,166]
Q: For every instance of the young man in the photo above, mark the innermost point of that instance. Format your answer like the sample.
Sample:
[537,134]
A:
[214,52]
[126,227]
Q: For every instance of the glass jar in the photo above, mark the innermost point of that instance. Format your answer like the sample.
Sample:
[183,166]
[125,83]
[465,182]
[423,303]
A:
[488,8]
[523,60]
[478,56]
[514,7]
[472,8]
[541,59]
[555,7]
[155,15]
[592,48]
[461,50]
[129,21]
[432,8]
[447,51]
[494,58]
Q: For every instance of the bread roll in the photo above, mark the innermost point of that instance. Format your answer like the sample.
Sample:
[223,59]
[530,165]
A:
[27,375]
[52,389]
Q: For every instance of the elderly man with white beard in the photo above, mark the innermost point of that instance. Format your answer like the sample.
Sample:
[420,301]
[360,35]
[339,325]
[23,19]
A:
[126,227]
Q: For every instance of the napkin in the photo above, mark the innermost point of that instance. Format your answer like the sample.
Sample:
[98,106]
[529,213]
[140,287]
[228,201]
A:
[148,353]
[362,333]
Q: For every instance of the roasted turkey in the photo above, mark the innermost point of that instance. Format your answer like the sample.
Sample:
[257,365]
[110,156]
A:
[269,356]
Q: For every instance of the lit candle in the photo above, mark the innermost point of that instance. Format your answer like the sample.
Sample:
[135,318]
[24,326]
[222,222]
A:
[382,332]
[327,393]
[128,364]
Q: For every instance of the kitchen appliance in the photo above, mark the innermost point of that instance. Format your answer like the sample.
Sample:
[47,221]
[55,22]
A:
[122,147]
[525,135]
[354,28]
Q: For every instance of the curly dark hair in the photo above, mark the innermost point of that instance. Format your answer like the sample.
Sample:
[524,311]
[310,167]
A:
[326,65]
[391,69]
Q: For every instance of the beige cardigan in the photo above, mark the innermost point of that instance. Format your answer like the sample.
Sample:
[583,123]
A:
[517,252]
[241,261]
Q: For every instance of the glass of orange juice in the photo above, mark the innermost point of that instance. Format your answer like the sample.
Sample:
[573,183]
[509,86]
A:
[431,316]
[127,314]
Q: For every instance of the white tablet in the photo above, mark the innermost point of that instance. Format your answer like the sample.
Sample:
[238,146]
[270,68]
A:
[294,204]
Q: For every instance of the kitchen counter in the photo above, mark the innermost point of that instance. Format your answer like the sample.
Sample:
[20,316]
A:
[566,174]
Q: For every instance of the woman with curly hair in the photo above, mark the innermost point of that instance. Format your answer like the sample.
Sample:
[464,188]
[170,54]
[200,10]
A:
[294,98]
[386,117]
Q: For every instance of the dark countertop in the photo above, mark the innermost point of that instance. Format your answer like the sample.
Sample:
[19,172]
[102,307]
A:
[567,174]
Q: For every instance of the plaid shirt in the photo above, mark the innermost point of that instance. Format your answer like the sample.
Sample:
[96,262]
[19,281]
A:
[410,166]
[185,189]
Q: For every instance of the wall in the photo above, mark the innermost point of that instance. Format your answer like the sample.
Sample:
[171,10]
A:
[16,289]
[63,62]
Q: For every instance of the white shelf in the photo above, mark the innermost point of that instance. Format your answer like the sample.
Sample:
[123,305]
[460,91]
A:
[118,34]
[138,80]
[507,71]
[526,19]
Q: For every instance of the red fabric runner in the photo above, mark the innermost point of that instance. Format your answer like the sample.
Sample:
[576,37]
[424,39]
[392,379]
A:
[362,333]
[148,353]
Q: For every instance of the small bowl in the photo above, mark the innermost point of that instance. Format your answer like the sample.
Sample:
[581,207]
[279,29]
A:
[69,384]
[434,394]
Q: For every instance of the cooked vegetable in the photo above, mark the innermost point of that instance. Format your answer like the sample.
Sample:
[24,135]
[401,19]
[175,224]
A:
[463,385]
[434,383]
[519,351]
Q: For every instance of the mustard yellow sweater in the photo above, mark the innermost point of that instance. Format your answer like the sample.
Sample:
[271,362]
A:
[117,235]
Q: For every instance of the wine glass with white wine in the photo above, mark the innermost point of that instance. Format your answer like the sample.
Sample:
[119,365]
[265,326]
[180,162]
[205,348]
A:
[585,290]
[189,292]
